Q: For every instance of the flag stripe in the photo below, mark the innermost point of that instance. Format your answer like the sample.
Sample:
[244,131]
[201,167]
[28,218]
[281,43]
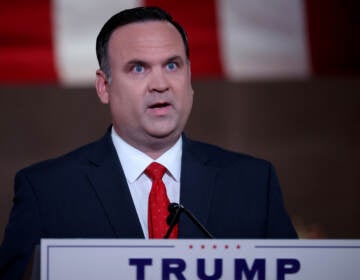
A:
[26,49]
[53,41]
[258,41]
[75,30]
[334,37]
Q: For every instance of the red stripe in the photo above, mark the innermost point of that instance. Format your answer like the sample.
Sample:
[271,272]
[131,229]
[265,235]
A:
[333,28]
[26,51]
[199,18]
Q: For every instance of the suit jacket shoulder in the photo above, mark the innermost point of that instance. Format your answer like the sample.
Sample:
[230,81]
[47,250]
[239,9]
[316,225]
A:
[221,158]
[92,153]
[83,194]
[235,195]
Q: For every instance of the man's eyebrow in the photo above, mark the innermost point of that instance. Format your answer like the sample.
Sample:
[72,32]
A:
[175,58]
[133,62]
[136,62]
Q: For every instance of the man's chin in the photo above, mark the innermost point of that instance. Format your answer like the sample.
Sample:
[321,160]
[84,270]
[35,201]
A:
[164,135]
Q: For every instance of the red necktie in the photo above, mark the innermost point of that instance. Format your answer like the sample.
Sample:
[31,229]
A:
[158,203]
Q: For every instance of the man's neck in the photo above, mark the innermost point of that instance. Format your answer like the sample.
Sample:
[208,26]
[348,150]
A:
[154,147]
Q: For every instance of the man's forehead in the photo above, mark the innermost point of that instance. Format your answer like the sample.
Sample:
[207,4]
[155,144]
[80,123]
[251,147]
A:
[146,30]
[148,36]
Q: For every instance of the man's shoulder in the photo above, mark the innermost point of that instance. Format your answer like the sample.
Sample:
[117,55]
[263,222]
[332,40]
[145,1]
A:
[221,157]
[76,158]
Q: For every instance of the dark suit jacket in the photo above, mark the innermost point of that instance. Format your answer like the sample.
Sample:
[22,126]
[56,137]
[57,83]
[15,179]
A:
[85,194]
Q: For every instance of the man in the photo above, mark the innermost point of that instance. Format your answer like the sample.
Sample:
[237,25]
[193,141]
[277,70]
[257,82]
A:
[105,190]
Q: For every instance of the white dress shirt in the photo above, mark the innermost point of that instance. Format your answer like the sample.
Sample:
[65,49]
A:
[134,163]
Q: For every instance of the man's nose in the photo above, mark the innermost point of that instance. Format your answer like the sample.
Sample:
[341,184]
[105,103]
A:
[158,81]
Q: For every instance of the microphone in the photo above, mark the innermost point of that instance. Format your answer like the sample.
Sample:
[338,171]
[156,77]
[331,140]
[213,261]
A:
[175,210]
[174,214]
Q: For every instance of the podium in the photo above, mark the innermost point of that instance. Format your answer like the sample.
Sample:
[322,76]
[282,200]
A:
[112,259]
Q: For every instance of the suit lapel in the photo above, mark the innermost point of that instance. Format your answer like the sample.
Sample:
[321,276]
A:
[108,180]
[197,183]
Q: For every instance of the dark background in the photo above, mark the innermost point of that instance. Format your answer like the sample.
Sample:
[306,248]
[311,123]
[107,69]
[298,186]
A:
[310,131]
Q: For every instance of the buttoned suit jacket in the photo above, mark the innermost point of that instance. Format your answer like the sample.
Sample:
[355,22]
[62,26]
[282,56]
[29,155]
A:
[84,194]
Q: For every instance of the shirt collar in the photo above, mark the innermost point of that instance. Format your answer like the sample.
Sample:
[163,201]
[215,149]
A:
[134,161]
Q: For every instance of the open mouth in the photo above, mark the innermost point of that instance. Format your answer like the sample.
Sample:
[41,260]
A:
[159,105]
[160,108]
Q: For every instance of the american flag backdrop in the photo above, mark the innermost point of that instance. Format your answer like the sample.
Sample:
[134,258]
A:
[53,41]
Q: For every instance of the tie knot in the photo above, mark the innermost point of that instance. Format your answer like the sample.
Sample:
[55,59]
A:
[155,171]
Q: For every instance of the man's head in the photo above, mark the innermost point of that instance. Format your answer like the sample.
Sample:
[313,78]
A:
[139,14]
[150,93]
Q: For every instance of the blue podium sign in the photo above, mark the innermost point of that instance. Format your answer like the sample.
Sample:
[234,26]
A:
[112,259]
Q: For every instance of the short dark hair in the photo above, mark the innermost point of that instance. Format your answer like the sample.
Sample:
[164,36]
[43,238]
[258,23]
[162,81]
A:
[139,14]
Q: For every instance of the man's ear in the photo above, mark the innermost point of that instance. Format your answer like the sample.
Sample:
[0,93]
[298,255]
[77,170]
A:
[101,84]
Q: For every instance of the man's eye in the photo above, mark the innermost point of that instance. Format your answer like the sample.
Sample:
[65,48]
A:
[138,69]
[171,66]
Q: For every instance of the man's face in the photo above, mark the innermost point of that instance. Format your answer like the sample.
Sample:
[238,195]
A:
[150,93]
